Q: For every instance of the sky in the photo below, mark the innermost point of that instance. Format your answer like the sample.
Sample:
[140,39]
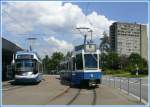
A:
[54,23]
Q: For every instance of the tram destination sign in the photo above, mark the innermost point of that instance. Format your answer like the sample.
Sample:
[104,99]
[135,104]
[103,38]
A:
[86,47]
[90,47]
[24,56]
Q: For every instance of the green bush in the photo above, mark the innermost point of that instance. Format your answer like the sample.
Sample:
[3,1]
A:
[108,71]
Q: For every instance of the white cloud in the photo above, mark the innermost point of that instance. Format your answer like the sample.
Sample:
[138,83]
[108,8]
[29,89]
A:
[52,17]
[60,45]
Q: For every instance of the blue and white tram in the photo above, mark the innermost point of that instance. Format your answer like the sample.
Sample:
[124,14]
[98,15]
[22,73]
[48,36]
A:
[28,67]
[83,68]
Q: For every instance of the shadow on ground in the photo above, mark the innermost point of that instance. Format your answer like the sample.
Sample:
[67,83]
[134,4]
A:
[83,86]
[23,83]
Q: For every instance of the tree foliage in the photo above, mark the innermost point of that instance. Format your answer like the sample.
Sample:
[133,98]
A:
[127,63]
[110,60]
[105,43]
[51,63]
[137,62]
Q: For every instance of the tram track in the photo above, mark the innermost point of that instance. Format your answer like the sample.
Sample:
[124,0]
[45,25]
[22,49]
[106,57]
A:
[60,94]
[63,93]
[78,94]
[10,87]
[74,98]
[94,97]
[73,94]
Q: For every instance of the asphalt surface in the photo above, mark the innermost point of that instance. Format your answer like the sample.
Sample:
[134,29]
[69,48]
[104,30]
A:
[131,86]
[52,92]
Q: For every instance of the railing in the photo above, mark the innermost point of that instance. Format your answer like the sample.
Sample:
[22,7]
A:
[133,86]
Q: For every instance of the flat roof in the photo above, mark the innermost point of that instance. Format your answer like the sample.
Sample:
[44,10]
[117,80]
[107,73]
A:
[10,46]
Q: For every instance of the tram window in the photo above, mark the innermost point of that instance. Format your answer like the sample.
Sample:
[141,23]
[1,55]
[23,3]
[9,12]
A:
[62,67]
[79,62]
[35,70]
[19,64]
[24,63]
[90,60]
[41,68]
[69,65]
[65,66]
[25,56]
[28,64]
[100,63]
[73,64]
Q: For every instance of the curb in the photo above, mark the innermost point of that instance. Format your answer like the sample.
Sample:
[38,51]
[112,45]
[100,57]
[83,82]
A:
[142,100]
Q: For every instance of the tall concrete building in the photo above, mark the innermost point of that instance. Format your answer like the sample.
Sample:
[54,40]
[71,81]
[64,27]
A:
[127,38]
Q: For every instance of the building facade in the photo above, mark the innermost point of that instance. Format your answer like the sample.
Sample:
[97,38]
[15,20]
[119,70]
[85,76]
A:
[127,38]
[8,50]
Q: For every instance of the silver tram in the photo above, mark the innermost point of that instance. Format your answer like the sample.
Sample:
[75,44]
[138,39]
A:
[28,67]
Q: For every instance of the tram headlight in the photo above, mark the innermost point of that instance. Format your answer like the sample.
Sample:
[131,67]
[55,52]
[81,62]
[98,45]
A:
[30,73]
[73,74]
[92,75]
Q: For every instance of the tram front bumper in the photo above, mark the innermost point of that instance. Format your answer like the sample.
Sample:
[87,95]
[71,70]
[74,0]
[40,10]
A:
[26,79]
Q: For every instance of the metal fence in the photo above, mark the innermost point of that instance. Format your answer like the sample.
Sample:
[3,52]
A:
[132,86]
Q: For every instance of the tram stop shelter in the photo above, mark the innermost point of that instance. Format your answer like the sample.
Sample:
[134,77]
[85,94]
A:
[8,50]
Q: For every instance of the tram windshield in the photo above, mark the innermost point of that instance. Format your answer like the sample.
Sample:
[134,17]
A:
[24,65]
[90,61]
[79,62]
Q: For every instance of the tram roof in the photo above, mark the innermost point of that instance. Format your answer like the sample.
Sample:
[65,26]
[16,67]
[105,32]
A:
[84,46]
[35,55]
[25,52]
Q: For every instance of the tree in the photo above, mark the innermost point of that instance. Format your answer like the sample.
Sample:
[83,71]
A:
[103,60]
[123,61]
[69,54]
[51,64]
[45,62]
[110,60]
[136,61]
[55,59]
[105,43]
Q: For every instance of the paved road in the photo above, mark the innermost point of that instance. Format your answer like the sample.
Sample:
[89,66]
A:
[51,92]
[134,85]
